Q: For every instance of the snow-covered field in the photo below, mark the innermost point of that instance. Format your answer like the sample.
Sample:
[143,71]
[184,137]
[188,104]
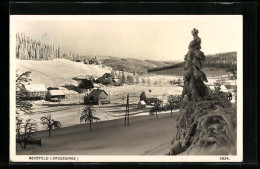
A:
[68,111]
[146,135]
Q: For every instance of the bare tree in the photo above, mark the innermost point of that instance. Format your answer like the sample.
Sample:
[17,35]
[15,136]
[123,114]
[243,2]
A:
[137,80]
[155,83]
[148,81]
[143,80]
[21,104]
[130,79]
[51,123]
[174,102]
[156,108]
[24,130]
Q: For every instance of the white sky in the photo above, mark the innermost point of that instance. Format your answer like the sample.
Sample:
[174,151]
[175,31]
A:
[160,37]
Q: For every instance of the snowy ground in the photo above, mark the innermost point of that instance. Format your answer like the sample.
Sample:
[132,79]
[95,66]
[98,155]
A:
[57,72]
[146,135]
[68,111]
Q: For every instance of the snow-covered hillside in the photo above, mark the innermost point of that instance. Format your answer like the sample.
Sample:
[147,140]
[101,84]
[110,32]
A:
[57,72]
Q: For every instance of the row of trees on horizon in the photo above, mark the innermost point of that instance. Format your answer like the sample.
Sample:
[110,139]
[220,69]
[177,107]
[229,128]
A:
[219,60]
[29,48]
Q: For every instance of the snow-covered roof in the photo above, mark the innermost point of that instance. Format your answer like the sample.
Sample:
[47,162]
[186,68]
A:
[142,102]
[35,88]
[95,93]
[56,92]
[212,87]
[116,80]
[224,76]
[223,88]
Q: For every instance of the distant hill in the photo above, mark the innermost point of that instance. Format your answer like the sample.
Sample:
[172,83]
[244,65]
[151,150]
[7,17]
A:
[220,60]
[132,65]
[128,64]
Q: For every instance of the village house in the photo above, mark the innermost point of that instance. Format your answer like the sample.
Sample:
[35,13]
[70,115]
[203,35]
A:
[108,78]
[105,79]
[84,85]
[55,95]
[34,91]
[96,97]
[224,89]
[141,104]
[211,88]
[94,61]
[116,81]
[151,101]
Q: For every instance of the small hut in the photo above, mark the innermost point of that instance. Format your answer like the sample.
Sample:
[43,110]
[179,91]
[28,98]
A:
[141,104]
[96,97]
[55,95]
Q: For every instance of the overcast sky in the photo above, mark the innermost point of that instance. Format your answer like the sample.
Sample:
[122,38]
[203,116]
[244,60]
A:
[142,37]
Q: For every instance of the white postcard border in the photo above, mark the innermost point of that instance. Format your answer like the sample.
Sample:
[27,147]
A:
[101,158]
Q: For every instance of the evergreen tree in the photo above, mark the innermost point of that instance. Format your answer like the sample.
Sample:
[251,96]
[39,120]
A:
[194,88]
[205,119]
[88,115]
[143,97]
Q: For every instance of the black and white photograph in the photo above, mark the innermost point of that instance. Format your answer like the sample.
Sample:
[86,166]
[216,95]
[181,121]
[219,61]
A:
[126,88]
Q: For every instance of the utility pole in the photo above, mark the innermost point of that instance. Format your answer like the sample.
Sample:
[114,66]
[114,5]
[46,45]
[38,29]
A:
[127,111]
[125,115]
[127,105]
[109,97]
[79,105]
